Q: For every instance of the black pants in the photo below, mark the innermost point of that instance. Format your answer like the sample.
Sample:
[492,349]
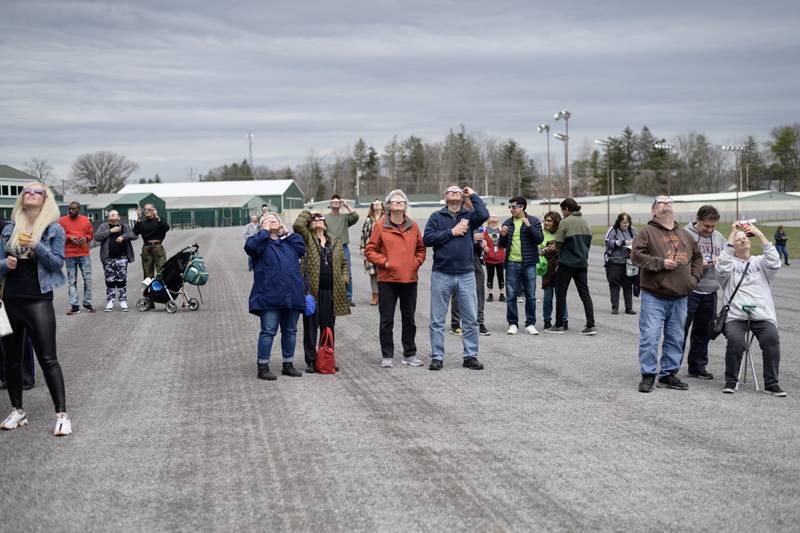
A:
[617,277]
[37,319]
[768,340]
[501,275]
[28,366]
[700,310]
[320,320]
[564,274]
[388,294]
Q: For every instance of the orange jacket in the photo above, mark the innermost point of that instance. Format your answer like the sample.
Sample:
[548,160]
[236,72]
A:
[402,247]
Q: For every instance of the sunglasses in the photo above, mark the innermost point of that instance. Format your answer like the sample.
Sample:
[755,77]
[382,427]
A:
[514,206]
[315,218]
[40,192]
[397,202]
[663,200]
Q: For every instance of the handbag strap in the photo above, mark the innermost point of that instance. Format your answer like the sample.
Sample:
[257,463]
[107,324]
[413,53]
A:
[746,267]
[327,338]
[305,275]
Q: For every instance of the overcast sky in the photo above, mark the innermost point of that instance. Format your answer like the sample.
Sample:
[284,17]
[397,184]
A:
[178,84]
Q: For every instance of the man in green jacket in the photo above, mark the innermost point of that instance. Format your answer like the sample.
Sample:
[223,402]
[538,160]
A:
[572,239]
[337,224]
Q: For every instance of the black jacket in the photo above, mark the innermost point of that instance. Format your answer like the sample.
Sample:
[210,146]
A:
[530,239]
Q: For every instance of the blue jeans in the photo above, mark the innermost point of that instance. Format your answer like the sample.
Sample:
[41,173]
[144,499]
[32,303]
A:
[657,315]
[783,252]
[85,265]
[270,320]
[520,278]
[349,272]
[547,303]
[442,288]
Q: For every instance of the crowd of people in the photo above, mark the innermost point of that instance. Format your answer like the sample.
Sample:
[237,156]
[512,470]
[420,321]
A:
[676,271]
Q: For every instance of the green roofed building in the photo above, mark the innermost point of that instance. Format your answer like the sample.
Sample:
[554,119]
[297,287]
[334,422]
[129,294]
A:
[97,206]
[12,181]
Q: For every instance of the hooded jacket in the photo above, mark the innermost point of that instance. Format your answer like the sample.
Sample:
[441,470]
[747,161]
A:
[402,247]
[756,288]
[573,239]
[655,243]
[529,239]
[277,283]
[710,247]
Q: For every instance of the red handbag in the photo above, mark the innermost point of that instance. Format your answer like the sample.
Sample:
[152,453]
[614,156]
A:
[326,360]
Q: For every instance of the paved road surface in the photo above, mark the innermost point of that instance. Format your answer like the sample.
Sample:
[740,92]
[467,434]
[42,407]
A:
[174,432]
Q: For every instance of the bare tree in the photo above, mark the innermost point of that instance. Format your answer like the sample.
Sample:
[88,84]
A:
[101,172]
[40,169]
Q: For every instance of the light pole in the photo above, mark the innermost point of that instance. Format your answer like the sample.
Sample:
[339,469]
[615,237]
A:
[545,128]
[738,148]
[250,145]
[669,148]
[565,115]
[562,137]
[609,179]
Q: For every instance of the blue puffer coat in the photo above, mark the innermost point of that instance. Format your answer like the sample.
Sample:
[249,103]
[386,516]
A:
[277,283]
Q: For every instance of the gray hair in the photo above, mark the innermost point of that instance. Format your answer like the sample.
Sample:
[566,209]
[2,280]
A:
[396,193]
[265,216]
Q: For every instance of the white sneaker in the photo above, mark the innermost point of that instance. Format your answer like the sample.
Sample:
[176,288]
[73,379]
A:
[531,330]
[109,306]
[386,363]
[123,305]
[512,329]
[63,426]
[412,361]
[15,420]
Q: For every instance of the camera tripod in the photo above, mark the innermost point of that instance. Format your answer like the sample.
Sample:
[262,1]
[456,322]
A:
[747,360]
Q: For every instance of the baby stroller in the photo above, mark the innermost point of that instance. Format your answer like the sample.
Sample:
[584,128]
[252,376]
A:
[168,285]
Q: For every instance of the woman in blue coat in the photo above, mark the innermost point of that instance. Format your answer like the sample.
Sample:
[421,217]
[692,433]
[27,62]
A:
[277,295]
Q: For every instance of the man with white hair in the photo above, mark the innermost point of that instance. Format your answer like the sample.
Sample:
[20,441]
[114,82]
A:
[116,252]
[396,249]
[449,232]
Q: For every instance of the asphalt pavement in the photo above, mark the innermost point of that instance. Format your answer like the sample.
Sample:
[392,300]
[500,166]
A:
[173,432]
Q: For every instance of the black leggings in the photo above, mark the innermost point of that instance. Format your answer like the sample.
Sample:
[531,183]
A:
[34,317]
[490,270]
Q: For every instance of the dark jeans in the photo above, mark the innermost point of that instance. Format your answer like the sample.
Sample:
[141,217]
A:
[783,252]
[388,294]
[768,340]
[521,280]
[36,318]
[618,278]
[323,318]
[455,316]
[490,270]
[564,274]
[700,310]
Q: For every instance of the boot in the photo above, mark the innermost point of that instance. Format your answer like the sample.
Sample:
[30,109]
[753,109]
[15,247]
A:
[374,299]
[502,297]
[264,373]
[290,370]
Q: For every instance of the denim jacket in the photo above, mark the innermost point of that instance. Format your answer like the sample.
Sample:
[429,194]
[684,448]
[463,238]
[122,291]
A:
[49,256]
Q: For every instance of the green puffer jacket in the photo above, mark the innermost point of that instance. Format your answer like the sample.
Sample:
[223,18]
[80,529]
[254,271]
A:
[340,274]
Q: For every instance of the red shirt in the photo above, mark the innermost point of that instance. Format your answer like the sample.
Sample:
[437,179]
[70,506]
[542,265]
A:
[79,227]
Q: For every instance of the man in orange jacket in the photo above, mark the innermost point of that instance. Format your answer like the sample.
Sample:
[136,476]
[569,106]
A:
[79,233]
[397,250]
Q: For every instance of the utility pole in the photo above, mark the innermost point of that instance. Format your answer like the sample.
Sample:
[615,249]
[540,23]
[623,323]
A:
[250,144]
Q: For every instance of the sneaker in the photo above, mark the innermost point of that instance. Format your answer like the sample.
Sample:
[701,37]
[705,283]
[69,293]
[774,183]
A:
[703,374]
[775,390]
[490,298]
[729,388]
[558,330]
[310,369]
[455,331]
[646,385]
[351,303]
[548,324]
[386,363]
[614,311]
[436,364]
[289,370]
[88,307]
[566,325]
[512,329]
[671,381]
[589,330]
[483,331]
[412,361]
[472,363]
[109,306]
[531,330]
[502,298]
[63,426]
[15,420]
[123,305]
[264,373]
[74,310]
[630,312]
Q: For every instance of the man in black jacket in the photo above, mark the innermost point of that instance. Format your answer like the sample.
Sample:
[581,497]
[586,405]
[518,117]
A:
[521,235]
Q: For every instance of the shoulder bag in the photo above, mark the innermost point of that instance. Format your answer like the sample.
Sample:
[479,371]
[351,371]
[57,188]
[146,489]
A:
[5,323]
[718,322]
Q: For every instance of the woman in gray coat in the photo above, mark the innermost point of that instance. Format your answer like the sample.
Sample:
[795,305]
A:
[116,252]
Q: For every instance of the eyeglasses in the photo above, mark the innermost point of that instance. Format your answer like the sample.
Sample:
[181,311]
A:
[453,189]
[513,206]
[663,200]
[316,218]
[40,192]
[397,202]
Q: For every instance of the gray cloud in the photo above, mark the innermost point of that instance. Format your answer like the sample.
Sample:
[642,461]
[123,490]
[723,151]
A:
[178,84]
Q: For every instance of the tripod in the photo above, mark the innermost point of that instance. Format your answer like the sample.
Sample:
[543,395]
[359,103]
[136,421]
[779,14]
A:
[747,360]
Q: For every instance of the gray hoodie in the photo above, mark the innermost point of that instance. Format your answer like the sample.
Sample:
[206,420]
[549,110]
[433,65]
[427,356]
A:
[756,289]
[711,247]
